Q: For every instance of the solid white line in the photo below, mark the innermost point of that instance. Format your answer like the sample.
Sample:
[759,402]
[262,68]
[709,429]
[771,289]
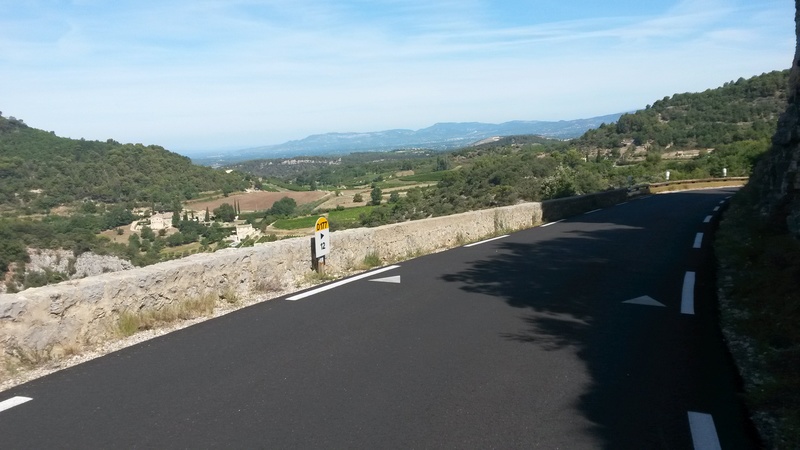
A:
[623,203]
[687,296]
[698,240]
[339,283]
[592,211]
[12,402]
[708,219]
[553,223]
[487,240]
[704,433]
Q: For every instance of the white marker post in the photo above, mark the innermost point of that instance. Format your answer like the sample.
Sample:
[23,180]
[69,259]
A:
[321,244]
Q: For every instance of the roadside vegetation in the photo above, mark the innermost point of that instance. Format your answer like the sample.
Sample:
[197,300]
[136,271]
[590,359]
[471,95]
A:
[761,262]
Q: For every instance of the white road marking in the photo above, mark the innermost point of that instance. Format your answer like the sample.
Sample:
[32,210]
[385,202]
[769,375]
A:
[728,197]
[722,202]
[487,240]
[592,211]
[704,433]
[553,223]
[708,219]
[644,300]
[623,203]
[687,296]
[716,208]
[394,279]
[698,240]
[339,283]
[12,402]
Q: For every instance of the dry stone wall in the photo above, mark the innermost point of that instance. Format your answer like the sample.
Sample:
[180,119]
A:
[53,320]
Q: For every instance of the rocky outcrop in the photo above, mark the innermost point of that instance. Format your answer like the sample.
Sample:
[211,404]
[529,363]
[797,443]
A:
[63,262]
[776,178]
[89,264]
[85,265]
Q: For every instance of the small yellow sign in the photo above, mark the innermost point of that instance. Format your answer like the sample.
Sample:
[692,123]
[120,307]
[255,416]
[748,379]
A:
[322,224]
[322,238]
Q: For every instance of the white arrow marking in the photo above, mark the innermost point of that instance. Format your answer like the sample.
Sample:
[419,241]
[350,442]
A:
[339,283]
[704,433]
[12,402]
[394,279]
[644,300]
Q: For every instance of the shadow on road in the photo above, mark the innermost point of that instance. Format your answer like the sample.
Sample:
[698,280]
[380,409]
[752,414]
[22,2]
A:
[571,288]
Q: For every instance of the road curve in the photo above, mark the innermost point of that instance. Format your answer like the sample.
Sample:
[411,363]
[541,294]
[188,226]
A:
[598,331]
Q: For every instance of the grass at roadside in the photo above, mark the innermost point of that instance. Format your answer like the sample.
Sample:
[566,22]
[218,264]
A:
[762,312]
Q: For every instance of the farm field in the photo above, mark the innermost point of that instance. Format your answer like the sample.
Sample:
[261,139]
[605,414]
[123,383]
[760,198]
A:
[256,201]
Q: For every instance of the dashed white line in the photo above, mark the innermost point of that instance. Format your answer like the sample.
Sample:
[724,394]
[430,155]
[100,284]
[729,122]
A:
[708,219]
[722,202]
[623,203]
[716,208]
[687,296]
[698,240]
[592,211]
[12,402]
[339,283]
[704,433]
[487,240]
[553,223]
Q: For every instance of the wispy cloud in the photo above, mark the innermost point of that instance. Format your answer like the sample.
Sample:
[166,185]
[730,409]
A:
[227,73]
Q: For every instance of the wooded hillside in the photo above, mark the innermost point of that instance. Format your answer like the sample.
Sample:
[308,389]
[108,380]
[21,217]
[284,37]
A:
[41,170]
[746,109]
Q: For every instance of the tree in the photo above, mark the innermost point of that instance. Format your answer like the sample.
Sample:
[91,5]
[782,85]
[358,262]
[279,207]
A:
[147,233]
[376,195]
[358,198]
[283,207]
[441,164]
[394,197]
[225,213]
[207,217]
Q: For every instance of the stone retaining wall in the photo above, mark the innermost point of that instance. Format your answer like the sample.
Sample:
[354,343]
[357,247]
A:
[50,321]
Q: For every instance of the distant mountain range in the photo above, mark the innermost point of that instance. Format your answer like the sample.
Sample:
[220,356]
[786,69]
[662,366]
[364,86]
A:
[441,136]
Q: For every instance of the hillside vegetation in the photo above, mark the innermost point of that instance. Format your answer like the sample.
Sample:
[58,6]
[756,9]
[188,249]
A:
[41,171]
[744,110]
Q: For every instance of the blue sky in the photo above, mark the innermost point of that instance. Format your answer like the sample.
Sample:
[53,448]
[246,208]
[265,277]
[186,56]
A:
[200,75]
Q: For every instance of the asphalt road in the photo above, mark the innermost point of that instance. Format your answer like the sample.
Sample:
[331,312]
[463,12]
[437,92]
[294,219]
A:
[577,335]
